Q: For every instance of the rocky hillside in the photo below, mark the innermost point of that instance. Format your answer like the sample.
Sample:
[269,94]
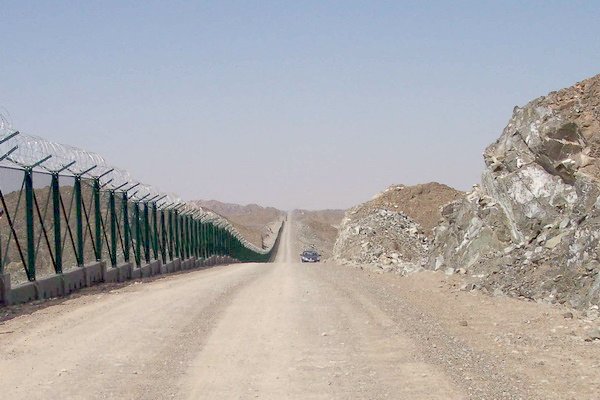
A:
[393,230]
[532,227]
[256,223]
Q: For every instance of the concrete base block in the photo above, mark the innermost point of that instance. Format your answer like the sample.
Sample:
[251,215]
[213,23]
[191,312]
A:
[169,267]
[155,267]
[94,273]
[5,289]
[163,269]
[146,271]
[124,272]
[177,264]
[111,275]
[192,262]
[50,287]
[73,280]
[24,293]
[136,273]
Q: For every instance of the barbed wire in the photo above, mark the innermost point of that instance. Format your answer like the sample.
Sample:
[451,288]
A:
[23,151]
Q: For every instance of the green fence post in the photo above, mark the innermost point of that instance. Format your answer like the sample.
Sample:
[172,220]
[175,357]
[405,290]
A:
[79,220]
[97,219]
[155,228]
[126,227]
[146,233]
[203,236]
[138,234]
[113,228]
[171,238]
[217,244]
[30,267]
[198,252]
[212,240]
[163,237]
[56,217]
[188,236]
[184,241]
[207,238]
[184,236]
[222,241]
[177,237]
[192,237]
[200,238]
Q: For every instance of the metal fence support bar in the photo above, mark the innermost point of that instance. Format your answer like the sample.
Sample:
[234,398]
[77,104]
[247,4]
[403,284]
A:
[30,266]
[55,187]
[126,227]
[78,220]
[113,228]
[146,233]
[97,219]
[155,230]
[138,234]
[163,237]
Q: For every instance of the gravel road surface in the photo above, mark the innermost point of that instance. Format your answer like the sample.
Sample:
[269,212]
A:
[283,330]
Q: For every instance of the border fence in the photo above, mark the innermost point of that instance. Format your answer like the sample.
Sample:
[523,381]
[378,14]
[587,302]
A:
[63,209]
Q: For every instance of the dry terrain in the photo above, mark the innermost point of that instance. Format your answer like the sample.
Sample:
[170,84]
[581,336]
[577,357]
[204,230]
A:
[256,223]
[294,331]
[317,229]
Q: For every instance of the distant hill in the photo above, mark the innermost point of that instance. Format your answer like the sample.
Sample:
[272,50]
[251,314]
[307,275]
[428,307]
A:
[256,223]
[317,229]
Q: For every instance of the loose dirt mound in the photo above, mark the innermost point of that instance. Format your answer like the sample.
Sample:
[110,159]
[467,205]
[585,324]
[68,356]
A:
[421,203]
[259,225]
[392,230]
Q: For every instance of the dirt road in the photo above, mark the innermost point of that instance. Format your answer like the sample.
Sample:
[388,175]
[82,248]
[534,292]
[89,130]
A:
[273,331]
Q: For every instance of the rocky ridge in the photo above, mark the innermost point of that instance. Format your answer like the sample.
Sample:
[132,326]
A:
[532,228]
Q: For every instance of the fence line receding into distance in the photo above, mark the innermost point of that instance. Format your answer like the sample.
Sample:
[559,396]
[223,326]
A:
[63,207]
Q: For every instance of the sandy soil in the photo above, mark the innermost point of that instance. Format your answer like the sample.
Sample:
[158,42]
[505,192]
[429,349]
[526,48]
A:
[295,331]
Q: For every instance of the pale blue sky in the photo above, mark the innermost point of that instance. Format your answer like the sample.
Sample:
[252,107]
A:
[292,104]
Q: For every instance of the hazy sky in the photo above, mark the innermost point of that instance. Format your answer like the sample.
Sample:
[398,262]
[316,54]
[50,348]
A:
[291,104]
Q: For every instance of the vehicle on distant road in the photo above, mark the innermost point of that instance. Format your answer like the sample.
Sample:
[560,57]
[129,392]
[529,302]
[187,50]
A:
[310,256]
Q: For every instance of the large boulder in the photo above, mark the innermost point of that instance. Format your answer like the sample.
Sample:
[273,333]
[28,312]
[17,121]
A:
[532,227]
